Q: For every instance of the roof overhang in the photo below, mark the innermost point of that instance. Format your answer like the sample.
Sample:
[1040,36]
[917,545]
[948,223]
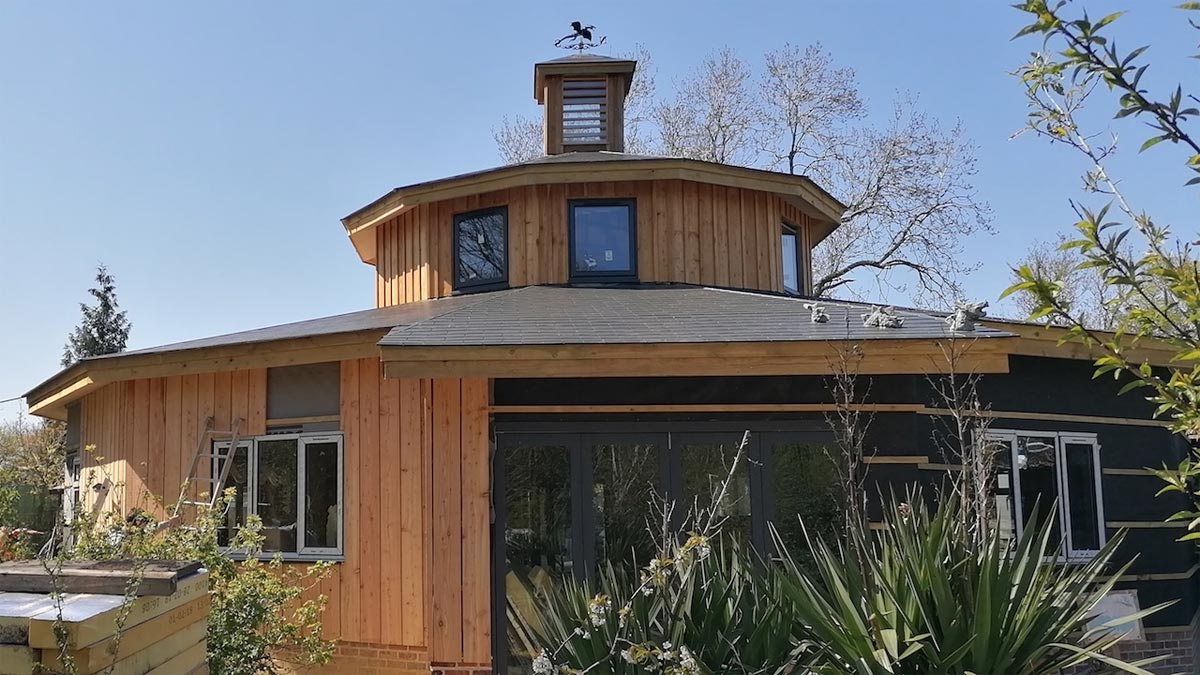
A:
[570,66]
[800,191]
[1053,342]
[865,357]
[51,398]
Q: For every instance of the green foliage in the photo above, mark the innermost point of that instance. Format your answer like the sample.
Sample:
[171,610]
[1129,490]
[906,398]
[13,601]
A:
[1156,292]
[257,611]
[104,328]
[691,610]
[921,599]
[918,597]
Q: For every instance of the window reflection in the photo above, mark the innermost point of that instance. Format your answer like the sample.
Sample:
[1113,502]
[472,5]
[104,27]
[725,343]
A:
[704,469]
[602,239]
[481,248]
[805,484]
[239,480]
[278,476]
[321,508]
[1083,502]
[1037,462]
[624,483]
[791,261]
[537,539]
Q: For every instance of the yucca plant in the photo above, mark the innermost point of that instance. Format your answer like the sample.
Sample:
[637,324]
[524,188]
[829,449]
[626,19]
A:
[694,609]
[915,597]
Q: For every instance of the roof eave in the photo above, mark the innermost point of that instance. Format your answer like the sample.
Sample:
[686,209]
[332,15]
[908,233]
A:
[822,206]
[51,397]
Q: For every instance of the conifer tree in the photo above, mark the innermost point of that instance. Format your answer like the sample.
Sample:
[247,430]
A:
[104,328]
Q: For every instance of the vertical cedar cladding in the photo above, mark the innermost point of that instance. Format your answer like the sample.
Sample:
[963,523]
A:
[687,232]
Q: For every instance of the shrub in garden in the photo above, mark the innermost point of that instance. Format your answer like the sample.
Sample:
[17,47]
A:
[917,597]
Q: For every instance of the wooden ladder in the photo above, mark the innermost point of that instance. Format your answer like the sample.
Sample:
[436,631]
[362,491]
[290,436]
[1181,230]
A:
[206,450]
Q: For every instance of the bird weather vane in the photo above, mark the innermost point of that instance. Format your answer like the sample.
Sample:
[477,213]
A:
[580,38]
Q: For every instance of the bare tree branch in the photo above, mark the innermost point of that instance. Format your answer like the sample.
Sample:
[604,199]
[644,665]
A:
[714,113]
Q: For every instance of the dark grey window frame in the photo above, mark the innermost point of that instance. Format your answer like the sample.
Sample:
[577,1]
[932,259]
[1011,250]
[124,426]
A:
[613,275]
[573,434]
[801,285]
[473,287]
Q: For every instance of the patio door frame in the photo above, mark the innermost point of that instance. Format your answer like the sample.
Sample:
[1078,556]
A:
[578,438]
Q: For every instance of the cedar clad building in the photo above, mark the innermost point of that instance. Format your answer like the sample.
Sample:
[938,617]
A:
[553,340]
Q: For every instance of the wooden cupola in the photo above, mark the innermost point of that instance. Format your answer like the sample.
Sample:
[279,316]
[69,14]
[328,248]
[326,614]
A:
[584,97]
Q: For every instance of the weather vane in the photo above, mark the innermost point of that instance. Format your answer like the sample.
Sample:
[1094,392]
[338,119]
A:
[580,38]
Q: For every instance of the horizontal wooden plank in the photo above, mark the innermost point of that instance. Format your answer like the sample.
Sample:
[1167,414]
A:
[185,662]
[103,577]
[293,421]
[703,408]
[657,367]
[99,656]
[896,459]
[1145,524]
[1112,471]
[1158,576]
[90,619]
[19,660]
[918,352]
[1053,417]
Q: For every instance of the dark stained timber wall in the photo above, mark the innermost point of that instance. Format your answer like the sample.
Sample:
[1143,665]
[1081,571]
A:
[1039,394]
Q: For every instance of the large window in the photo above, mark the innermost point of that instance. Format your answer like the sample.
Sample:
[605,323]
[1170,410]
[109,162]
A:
[481,248]
[793,269]
[293,483]
[571,503]
[603,238]
[1051,476]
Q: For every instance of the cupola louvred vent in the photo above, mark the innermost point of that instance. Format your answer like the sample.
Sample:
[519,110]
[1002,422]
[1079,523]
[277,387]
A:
[585,112]
[584,100]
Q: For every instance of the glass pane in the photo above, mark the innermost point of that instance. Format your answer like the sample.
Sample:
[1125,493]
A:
[1006,508]
[278,483]
[1082,506]
[1037,460]
[624,484]
[602,239]
[704,468]
[481,249]
[791,263]
[239,480]
[537,538]
[805,484]
[321,507]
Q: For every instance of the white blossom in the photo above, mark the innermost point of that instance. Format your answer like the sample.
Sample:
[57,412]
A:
[542,665]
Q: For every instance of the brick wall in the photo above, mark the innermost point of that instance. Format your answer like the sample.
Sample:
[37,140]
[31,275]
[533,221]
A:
[362,658]
[1178,644]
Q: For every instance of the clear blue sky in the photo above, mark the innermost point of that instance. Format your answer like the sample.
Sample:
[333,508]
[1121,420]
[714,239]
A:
[205,151]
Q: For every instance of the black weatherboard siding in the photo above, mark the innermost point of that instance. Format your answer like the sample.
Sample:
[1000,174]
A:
[1035,385]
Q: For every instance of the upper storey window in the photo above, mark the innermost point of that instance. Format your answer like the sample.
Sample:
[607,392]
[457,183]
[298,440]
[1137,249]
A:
[481,248]
[603,238]
[792,269]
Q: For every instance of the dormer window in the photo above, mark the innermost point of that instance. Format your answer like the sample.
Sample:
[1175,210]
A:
[603,239]
[793,283]
[481,249]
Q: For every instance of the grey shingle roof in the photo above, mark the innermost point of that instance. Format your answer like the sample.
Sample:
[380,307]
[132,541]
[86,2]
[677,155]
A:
[380,319]
[556,315]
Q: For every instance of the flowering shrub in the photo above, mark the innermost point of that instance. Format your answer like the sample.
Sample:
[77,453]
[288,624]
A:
[916,598]
[257,614]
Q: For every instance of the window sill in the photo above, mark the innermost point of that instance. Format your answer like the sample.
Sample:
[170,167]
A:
[288,557]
